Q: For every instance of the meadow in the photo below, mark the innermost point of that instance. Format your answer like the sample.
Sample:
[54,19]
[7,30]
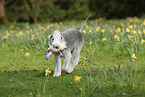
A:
[112,61]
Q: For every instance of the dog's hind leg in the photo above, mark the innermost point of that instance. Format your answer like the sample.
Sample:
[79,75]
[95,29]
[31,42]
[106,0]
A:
[75,56]
[75,59]
[67,55]
[57,71]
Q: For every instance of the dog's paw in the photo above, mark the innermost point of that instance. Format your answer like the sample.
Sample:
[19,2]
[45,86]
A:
[58,74]
[70,71]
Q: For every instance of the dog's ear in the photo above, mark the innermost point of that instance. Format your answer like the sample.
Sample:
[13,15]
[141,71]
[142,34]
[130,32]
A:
[48,38]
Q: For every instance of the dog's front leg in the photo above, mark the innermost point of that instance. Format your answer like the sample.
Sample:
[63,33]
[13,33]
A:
[57,71]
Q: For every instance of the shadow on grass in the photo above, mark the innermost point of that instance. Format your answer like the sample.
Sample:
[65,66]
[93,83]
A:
[34,82]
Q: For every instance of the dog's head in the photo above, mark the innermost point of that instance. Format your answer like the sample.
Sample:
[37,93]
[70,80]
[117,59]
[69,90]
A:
[57,41]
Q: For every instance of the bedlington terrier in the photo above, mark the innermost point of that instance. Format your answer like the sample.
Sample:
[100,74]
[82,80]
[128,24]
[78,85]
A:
[69,43]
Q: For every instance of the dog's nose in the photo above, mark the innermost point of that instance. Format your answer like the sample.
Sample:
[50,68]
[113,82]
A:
[56,47]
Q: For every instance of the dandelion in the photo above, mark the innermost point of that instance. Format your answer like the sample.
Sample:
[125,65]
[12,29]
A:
[47,72]
[84,31]
[27,54]
[142,40]
[143,31]
[77,78]
[130,27]
[104,39]
[103,30]
[134,57]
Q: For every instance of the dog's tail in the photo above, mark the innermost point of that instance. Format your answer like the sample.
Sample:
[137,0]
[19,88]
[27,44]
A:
[84,23]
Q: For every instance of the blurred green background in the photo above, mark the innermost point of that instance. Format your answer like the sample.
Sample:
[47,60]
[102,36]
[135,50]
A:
[34,11]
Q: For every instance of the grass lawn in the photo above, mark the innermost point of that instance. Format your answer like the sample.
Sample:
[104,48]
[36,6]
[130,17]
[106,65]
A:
[112,61]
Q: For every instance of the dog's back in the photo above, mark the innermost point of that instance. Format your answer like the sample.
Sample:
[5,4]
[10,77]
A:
[72,37]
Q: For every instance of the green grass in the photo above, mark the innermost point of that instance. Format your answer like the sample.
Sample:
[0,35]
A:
[106,67]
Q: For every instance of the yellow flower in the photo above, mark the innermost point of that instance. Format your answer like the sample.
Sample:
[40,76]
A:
[27,54]
[143,31]
[103,39]
[90,42]
[119,29]
[130,27]
[100,18]
[142,40]
[47,72]
[19,34]
[77,78]
[32,36]
[116,37]
[28,27]
[90,30]
[86,26]
[11,31]
[114,26]
[98,28]
[143,23]
[8,34]
[139,32]
[133,31]
[117,32]
[103,30]
[130,36]
[84,31]
[122,25]
[127,30]
[4,37]
[134,57]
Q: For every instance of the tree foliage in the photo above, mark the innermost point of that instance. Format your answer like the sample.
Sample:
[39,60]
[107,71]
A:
[117,8]
[34,11]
